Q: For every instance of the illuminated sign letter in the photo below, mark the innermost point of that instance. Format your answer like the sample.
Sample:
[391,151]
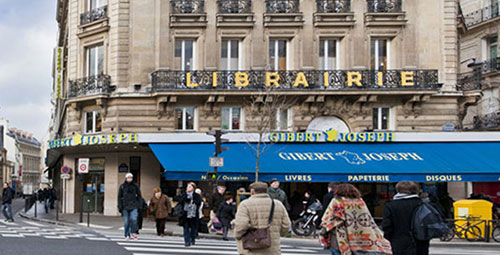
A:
[354,77]
[132,138]
[272,78]
[380,80]
[326,81]
[300,80]
[241,79]
[188,81]
[407,79]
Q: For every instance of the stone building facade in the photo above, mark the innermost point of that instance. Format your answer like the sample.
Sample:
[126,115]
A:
[189,67]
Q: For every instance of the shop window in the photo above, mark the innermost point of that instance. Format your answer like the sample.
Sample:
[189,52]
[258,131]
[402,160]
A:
[230,55]
[92,122]
[231,118]
[283,119]
[329,54]
[381,118]
[278,55]
[185,118]
[94,60]
[185,52]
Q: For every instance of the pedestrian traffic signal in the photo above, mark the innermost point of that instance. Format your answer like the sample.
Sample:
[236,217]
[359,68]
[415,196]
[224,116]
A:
[219,141]
[211,176]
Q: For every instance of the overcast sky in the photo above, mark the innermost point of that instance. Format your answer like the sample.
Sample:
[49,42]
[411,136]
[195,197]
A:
[28,31]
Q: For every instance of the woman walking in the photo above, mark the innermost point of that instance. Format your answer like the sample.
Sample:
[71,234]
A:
[226,214]
[348,227]
[189,202]
[160,206]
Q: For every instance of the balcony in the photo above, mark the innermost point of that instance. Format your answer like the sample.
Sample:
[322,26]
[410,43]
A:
[488,121]
[283,13]
[91,85]
[469,81]
[385,13]
[481,15]
[234,13]
[309,80]
[94,15]
[333,13]
[491,66]
[187,13]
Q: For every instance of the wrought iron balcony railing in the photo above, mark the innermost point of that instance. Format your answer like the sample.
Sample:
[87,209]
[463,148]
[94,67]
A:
[385,5]
[91,85]
[469,81]
[94,15]
[187,6]
[490,120]
[333,6]
[282,6]
[235,6]
[491,65]
[482,15]
[296,80]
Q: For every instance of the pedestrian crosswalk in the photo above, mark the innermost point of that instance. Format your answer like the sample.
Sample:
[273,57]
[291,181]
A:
[175,245]
[462,251]
[24,229]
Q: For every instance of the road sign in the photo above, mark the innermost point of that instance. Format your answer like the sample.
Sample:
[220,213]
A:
[66,176]
[83,165]
[216,161]
[65,170]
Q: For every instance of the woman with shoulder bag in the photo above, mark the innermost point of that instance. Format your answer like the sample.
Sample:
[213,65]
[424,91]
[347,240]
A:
[160,207]
[361,235]
[189,201]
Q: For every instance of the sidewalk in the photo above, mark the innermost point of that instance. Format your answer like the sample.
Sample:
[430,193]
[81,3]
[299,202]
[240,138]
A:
[115,224]
[105,223]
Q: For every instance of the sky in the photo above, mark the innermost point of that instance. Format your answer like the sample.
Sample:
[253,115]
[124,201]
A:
[28,32]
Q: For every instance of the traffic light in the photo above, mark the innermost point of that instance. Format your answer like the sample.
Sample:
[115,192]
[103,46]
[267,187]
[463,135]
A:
[219,141]
[211,176]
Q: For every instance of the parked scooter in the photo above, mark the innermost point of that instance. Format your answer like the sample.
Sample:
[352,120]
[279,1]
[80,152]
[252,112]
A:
[306,224]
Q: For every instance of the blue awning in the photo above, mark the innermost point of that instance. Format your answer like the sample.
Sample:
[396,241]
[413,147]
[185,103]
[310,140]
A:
[345,162]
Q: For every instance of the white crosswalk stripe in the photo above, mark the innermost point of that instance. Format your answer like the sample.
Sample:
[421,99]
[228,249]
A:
[459,251]
[32,229]
[171,245]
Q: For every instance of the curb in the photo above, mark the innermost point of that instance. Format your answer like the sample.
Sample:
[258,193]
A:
[491,244]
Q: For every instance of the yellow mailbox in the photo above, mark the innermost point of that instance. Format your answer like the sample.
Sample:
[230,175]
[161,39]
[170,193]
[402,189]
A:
[474,210]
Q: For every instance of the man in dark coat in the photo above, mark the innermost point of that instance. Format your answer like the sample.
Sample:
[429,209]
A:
[129,201]
[226,213]
[214,202]
[7,196]
[398,215]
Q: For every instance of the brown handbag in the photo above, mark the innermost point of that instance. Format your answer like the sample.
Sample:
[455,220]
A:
[259,238]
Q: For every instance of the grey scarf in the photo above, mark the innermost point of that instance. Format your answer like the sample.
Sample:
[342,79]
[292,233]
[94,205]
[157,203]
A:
[190,208]
[400,196]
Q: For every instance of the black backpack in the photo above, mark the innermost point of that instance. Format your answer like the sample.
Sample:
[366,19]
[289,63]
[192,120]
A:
[427,223]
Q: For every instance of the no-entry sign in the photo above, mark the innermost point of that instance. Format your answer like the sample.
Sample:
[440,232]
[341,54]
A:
[83,165]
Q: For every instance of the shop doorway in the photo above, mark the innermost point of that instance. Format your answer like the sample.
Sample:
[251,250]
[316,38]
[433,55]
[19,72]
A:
[93,195]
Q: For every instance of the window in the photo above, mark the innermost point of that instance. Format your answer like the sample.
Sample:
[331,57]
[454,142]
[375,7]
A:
[185,118]
[283,119]
[95,4]
[328,54]
[230,55]
[380,54]
[493,47]
[185,54]
[231,118]
[94,60]
[278,52]
[93,122]
[381,118]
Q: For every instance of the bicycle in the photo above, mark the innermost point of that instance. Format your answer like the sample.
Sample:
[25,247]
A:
[469,230]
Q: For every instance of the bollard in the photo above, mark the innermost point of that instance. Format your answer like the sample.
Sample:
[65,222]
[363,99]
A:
[36,202]
[57,210]
[88,213]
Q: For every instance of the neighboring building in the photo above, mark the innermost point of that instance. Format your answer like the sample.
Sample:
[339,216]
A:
[481,70]
[10,159]
[129,74]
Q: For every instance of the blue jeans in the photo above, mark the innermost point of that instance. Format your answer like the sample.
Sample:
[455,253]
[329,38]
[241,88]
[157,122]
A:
[335,252]
[7,212]
[190,230]
[130,221]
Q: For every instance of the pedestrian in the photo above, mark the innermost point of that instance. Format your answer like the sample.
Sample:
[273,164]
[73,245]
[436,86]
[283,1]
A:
[160,207]
[326,201]
[348,227]
[242,191]
[398,215]
[276,193]
[46,198]
[7,196]
[129,197]
[254,212]
[52,197]
[214,202]
[143,207]
[308,200]
[190,202]
[202,224]
[226,214]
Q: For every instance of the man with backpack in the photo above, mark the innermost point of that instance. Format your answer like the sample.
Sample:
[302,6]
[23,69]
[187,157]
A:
[397,222]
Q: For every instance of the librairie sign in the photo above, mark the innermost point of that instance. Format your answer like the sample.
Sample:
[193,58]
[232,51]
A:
[331,135]
[79,139]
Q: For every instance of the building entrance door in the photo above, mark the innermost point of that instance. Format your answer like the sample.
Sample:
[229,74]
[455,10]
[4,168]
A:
[93,195]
